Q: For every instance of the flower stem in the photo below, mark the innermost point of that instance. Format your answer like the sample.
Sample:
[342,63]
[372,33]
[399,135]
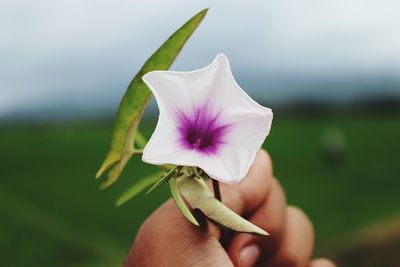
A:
[217,191]
[137,151]
[224,232]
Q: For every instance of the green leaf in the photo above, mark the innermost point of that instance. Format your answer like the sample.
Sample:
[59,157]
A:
[163,179]
[173,186]
[137,187]
[198,196]
[136,99]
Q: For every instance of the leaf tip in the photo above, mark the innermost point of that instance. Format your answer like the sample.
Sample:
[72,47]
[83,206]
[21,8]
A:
[99,173]
[112,177]
[107,164]
[263,233]
[107,183]
[148,192]
[258,231]
[195,222]
[151,189]
[203,12]
[119,202]
[103,186]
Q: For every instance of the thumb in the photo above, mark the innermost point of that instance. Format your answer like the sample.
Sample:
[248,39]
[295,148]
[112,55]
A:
[167,239]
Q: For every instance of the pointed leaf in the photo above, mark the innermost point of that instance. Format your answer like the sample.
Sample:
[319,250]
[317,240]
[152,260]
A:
[173,186]
[136,99]
[162,180]
[138,187]
[198,195]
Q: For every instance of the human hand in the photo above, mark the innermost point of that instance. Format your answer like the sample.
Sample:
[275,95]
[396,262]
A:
[167,239]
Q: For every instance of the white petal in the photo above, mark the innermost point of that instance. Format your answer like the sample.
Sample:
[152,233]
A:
[215,87]
[244,140]
[210,85]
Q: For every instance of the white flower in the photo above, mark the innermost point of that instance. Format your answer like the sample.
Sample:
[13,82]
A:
[206,120]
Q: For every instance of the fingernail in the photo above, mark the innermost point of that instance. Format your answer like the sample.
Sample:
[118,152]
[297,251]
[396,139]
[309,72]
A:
[248,256]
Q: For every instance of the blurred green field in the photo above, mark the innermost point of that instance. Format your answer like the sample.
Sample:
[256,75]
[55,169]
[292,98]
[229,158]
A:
[52,213]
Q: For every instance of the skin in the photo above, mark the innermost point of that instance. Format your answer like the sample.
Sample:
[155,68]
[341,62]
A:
[167,239]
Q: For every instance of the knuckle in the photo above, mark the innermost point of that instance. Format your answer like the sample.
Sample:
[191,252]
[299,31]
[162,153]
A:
[290,259]
[299,214]
[151,229]
[322,263]
[264,159]
[264,155]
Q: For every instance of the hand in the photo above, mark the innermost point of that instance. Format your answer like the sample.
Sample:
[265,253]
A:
[167,239]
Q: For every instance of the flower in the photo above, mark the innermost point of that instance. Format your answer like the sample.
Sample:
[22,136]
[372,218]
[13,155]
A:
[206,120]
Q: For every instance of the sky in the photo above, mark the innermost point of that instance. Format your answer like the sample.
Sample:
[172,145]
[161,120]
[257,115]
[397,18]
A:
[77,57]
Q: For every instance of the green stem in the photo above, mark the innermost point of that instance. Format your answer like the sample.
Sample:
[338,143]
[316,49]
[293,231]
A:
[137,151]
[217,191]
[224,232]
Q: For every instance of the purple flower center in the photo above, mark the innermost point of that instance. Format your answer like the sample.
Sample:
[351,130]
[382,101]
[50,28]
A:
[201,131]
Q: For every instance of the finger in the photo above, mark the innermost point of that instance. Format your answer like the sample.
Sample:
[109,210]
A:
[167,239]
[247,196]
[270,216]
[322,263]
[250,193]
[298,241]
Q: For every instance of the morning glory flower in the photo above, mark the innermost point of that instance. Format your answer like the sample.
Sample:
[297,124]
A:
[206,120]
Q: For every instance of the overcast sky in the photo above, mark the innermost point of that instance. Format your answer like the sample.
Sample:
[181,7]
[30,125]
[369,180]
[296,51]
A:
[80,55]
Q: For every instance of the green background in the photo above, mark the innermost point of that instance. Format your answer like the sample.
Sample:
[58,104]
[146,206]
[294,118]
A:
[52,213]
